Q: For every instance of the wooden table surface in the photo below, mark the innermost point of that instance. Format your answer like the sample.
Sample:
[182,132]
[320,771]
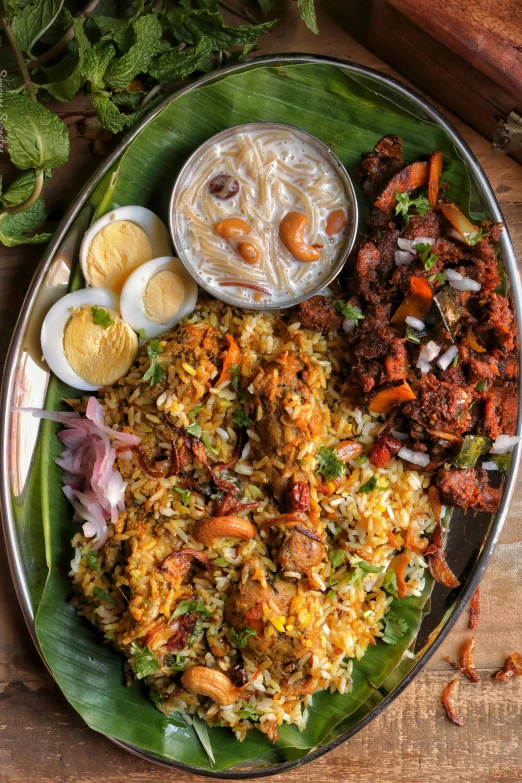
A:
[43,739]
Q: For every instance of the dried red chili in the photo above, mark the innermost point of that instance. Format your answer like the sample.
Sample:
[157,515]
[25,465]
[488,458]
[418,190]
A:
[474,609]
[447,703]
[512,668]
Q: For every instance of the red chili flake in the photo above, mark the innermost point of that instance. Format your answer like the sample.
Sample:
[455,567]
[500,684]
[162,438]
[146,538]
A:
[512,668]
[475,609]
[446,700]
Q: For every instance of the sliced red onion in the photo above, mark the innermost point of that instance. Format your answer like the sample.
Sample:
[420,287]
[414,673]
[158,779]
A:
[415,323]
[489,466]
[504,443]
[423,366]
[348,325]
[403,258]
[429,352]
[447,357]
[399,435]
[95,413]
[415,457]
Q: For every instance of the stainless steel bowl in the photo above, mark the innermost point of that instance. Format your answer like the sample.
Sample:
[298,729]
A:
[181,182]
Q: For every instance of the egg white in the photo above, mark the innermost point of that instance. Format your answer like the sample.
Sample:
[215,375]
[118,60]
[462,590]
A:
[54,326]
[132,306]
[155,229]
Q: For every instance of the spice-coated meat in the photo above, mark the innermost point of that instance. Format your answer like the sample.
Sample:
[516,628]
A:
[468,488]
[319,314]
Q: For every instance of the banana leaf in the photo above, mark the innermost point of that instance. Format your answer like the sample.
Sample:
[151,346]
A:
[350,115]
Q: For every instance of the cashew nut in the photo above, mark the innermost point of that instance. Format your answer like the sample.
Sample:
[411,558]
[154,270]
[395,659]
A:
[348,449]
[206,530]
[336,221]
[211,683]
[232,227]
[249,252]
[291,234]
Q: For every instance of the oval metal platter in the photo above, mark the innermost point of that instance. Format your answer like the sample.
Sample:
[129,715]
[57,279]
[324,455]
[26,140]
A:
[472,536]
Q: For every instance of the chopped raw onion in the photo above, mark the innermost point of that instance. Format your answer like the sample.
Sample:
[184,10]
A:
[489,466]
[447,357]
[415,323]
[415,457]
[504,443]
[399,435]
[326,291]
[405,244]
[423,241]
[461,283]
[348,325]
[423,366]
[403,258]
[429,352]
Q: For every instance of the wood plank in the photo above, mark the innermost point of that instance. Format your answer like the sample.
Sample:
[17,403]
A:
[43,739]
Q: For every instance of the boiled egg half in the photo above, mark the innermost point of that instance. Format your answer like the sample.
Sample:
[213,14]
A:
[85,341]
[118,243]
[157,295]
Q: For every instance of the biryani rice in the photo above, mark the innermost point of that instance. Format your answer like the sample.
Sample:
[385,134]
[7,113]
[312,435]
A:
[332,618]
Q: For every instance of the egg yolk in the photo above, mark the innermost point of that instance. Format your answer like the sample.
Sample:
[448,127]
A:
[163,296]
[116,250]
[99,355]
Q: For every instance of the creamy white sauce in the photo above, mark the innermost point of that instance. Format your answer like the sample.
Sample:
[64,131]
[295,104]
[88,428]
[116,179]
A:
[278,173]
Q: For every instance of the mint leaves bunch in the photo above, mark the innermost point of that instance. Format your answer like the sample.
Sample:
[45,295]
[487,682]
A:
[122,52]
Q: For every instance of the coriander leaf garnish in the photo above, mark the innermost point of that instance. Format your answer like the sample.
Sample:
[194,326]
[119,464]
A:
[336,557]
[440,277]
[241,419]
[103,596]
[195,411]
[248,713]
[145,662]
[177,662]
[370,485]
[389,584]
[194,429]
[350,312]
[394,628]
[185,494]
[240,638]
[154,374]
[329,464]
[404,203]
[101,317]
[186,607]
[428,258]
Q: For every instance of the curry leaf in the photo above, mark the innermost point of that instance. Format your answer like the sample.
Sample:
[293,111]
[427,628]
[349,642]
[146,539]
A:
[473,446]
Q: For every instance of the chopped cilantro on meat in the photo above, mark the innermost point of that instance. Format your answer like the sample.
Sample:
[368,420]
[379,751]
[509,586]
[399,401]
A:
[405,203]
[241,419]
[350,312]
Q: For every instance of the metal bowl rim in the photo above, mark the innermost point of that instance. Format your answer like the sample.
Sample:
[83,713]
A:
[180,183]
[9,377]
